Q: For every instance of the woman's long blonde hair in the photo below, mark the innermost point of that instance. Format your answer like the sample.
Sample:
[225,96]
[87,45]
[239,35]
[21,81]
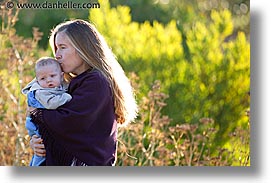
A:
[93,49]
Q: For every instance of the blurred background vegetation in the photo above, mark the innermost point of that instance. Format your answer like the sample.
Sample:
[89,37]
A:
[188,60]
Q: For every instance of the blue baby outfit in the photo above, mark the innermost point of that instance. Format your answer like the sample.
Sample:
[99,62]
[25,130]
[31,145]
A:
[49,98]
[32,128]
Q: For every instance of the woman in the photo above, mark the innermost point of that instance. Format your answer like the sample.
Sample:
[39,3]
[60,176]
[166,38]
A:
[84,130]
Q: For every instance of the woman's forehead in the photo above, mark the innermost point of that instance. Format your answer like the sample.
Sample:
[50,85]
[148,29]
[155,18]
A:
[61,38]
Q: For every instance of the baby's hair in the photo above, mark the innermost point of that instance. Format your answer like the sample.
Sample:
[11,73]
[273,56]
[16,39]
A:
[44,61]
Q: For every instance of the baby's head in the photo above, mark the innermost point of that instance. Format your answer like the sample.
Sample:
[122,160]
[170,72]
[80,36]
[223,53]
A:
[48,72]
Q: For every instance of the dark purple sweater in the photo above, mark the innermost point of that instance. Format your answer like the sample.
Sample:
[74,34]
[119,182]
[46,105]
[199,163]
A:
[84,128]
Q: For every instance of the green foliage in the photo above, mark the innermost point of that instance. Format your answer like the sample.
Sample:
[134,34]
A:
[218,74]
[212,82]
[159,144]
[142,48]
[187,11]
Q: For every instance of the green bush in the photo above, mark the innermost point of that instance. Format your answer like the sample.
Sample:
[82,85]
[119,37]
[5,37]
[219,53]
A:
[212,81]
[218,74]
[151,141]
[151,51]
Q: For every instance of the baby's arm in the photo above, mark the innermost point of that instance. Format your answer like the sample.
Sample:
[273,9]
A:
[52,99]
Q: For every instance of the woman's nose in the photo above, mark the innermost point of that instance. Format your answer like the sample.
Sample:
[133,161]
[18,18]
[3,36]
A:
[58,57]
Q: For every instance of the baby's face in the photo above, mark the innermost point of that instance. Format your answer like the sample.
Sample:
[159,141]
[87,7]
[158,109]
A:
[49,76]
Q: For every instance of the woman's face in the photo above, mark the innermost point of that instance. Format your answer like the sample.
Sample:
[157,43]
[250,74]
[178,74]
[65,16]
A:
[67,55]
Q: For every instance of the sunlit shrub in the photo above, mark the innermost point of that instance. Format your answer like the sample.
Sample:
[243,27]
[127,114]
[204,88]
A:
[211,80]
[152,141]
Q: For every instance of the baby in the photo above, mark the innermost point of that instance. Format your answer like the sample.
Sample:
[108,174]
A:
[47,90]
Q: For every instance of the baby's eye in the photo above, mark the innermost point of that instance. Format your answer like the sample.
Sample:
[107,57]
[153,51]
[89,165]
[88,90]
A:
[53,75]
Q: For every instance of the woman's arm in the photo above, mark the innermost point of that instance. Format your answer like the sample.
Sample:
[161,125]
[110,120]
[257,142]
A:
[36,142]
[91,95]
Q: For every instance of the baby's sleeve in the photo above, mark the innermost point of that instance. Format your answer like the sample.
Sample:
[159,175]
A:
[52,100]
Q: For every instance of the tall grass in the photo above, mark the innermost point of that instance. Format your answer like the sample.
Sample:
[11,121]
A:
[16,61]
[151,141]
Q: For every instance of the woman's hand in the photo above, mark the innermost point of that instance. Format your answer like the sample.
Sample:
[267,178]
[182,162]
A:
[37,145]
[29,110]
